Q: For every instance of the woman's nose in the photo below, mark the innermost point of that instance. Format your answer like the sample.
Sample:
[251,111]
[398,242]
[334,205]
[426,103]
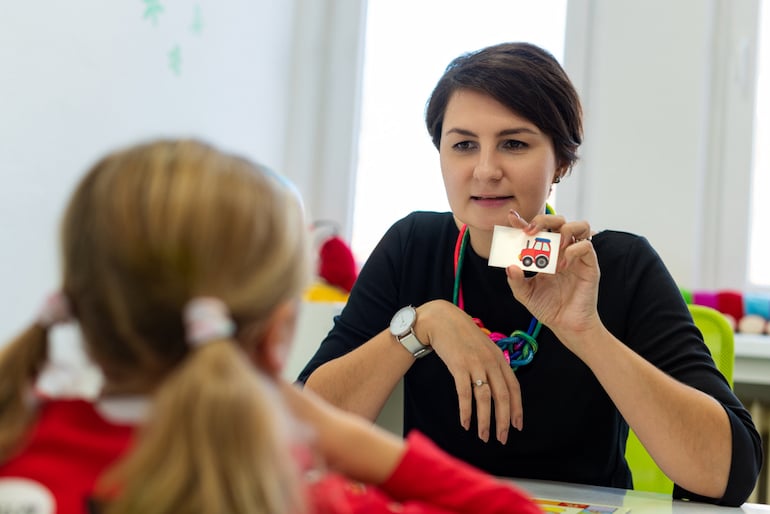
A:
[487,166]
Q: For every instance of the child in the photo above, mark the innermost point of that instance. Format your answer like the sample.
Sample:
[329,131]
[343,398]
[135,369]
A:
[183,266]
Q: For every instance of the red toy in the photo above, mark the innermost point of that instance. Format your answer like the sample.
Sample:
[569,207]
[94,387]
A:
[336,264]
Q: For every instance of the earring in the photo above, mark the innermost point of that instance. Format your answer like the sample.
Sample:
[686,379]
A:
[557,179]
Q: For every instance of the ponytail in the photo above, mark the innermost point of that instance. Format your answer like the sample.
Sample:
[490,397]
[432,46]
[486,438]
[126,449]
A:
[20,363]
[212,443]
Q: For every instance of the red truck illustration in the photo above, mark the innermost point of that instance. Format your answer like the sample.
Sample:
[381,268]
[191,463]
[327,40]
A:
[540,253]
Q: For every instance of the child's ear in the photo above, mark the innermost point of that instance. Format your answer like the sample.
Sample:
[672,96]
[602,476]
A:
[271,353]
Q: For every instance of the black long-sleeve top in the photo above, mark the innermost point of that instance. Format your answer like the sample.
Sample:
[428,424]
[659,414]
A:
[572,430]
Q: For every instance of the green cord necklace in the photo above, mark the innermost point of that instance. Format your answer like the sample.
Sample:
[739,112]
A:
[520,347]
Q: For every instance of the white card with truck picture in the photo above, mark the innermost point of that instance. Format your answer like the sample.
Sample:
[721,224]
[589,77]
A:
[538,252]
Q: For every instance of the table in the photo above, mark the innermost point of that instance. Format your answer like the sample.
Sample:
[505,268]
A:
[638,502]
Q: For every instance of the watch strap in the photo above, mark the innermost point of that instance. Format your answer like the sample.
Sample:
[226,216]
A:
[414,346]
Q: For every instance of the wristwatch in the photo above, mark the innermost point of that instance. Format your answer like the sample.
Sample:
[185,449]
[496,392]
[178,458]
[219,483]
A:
[402,327]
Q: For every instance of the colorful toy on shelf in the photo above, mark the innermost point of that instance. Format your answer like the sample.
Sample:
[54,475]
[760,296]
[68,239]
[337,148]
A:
[757,304]
[336,269]
[336,265]
[747,313]
[752,324]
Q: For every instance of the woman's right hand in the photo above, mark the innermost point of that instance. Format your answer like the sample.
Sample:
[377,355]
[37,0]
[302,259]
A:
[471,357]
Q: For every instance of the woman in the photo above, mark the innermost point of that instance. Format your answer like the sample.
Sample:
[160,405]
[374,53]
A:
[604,343]
[183,266]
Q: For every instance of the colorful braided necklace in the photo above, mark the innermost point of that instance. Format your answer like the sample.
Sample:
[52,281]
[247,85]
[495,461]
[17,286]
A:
[520,347]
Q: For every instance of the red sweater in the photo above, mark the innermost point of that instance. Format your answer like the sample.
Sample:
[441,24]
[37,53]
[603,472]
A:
[68,448]
[71,445]
[426,481]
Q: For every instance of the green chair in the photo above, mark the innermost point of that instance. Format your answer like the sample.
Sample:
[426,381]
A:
[719,337]
[720,340]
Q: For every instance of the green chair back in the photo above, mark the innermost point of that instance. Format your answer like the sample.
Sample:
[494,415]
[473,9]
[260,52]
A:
[719,337]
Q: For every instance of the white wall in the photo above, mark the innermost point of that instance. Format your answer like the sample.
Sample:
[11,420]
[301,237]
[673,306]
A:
[82,77]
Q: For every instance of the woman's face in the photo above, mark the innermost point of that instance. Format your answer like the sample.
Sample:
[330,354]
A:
[492,161]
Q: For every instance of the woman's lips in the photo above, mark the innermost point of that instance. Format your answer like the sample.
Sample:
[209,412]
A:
[491,201]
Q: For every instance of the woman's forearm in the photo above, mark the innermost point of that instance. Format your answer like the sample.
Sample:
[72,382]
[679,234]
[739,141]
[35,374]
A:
[686,431]
[362,380]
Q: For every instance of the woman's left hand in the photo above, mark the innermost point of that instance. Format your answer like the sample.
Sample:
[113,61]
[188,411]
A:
[564,301]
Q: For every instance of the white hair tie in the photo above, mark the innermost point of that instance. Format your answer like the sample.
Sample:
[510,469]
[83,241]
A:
[207,319]
[55,310]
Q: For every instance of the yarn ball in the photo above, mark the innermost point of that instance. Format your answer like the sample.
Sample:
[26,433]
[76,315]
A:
[752,324]
[758,304]
[706,298]
[336,265]
[730,302]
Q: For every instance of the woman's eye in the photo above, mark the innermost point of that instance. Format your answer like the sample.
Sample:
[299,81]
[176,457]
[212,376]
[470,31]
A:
[513,144]
[464,146]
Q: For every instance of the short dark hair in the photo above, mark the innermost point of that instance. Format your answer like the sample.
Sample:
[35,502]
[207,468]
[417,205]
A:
[525,78]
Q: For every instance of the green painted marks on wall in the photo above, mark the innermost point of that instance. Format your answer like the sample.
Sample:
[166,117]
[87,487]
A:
[152,9]
[175,60]
[197,23]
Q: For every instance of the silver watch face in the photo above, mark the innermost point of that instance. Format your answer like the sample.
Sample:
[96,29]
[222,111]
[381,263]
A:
[402,321]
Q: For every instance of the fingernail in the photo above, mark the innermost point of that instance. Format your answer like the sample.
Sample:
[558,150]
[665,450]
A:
[466,424]
[518,423]
[515,213]
[502,436]
[484,435]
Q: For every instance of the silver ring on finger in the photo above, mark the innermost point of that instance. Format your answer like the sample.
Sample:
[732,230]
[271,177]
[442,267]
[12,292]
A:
[478,382]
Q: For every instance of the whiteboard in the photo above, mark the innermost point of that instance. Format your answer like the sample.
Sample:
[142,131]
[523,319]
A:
[81,77]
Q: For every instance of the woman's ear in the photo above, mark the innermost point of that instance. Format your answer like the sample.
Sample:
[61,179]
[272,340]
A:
[557,176]
[271,353]
[560,173]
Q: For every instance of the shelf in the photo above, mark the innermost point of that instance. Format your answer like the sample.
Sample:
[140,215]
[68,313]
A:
[752,359]
[752,345]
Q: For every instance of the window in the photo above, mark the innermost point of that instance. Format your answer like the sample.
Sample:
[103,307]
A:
[759,244]
[405,54]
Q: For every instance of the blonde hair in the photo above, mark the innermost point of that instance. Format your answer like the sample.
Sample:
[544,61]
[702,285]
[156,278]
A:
[149,228]
[20,363]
